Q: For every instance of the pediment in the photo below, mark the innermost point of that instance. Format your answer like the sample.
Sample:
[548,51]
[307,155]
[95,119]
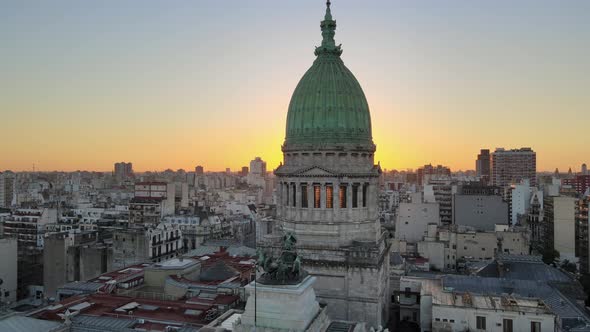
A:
[315,171]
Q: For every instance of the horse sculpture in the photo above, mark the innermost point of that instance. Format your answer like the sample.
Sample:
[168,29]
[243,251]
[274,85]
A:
[286,269]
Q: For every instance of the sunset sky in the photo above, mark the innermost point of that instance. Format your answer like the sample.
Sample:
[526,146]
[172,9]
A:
[173,84]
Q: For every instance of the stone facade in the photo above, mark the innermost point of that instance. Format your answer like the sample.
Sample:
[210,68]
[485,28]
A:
[283,307]
[149,243]
[71,257]
[327,189]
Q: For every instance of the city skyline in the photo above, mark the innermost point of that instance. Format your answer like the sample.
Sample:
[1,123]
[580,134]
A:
[173,87]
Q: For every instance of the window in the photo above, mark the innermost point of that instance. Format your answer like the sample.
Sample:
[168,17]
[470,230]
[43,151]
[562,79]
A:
[507,325]
[329,196]
[355,195]
[304,195]
[342,196]
[294,193]
[365,187]
[451,320]
[437,319]
[480,322]
[535,326]
[316,196]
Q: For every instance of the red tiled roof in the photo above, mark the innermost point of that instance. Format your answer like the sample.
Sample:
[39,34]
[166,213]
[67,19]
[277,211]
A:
[121,274]
[105,305]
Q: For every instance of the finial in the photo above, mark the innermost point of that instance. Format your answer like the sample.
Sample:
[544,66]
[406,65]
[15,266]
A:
[328,26]
[328,16]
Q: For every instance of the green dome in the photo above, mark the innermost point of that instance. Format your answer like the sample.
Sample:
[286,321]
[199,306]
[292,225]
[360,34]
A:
[328,105]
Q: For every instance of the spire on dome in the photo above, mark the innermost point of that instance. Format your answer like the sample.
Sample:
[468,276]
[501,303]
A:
[328,26]
[328,15]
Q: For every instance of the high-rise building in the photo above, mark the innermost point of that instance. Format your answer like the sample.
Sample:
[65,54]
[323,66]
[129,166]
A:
[482,165]
[6,189]
[512,166]
[584,170]
[258,167]
[427,172]
[244,171]
[28,227]
[257,174]
[441,192]
[327,188]
[560,226]
[479,207]
[199,170]
[123,170]
[151,201]
[520,201]
[8,272]
[583,234]
[579,183]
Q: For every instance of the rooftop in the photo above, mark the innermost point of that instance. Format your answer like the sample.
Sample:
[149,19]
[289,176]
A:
[490,302]
[124,307]
[27,324]
[175,263]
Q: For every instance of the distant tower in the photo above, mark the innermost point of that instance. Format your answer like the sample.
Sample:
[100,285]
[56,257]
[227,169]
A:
[199,170]
[512,166]
[244,171]
[123,170]
[584,169]
[482,165]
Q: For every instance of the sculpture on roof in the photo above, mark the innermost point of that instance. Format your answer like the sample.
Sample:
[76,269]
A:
[283,270]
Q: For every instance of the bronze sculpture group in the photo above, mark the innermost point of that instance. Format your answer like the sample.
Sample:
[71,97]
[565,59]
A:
[284,270]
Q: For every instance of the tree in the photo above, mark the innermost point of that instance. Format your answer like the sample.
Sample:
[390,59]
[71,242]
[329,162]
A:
[550,255]
[569,266]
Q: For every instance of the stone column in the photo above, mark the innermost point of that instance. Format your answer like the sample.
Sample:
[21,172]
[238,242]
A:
[349,200]
[294,194]
[310,195]
[298,194]
[336,196]
[360,196]
[285,191]
[290,194]
[323,195]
